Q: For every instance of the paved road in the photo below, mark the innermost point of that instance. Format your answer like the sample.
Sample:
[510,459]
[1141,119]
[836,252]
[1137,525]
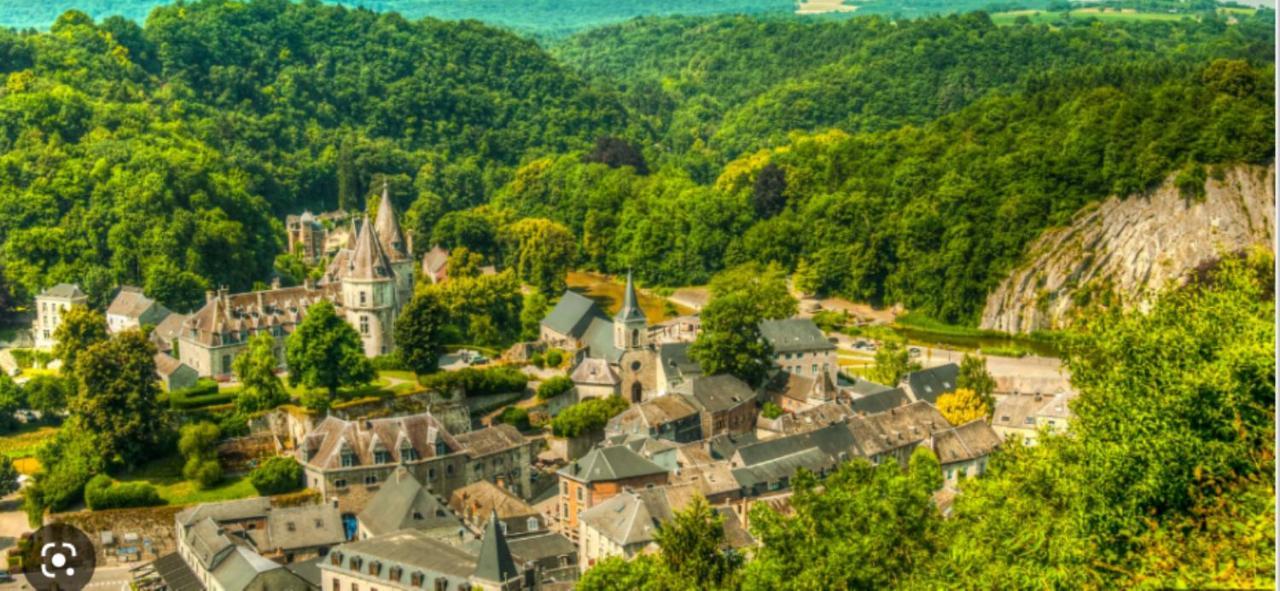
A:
[112,578]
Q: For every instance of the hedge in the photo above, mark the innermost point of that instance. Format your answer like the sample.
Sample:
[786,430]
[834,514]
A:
[104,493]
[204,393]
[477,382]
[587,416]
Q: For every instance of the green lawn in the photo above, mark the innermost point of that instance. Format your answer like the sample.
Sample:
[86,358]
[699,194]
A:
[23,442]
[166,475]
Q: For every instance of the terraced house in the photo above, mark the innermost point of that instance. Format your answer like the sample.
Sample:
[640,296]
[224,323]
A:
[352,459]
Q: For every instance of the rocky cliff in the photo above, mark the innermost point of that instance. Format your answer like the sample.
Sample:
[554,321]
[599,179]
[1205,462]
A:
[1124,250]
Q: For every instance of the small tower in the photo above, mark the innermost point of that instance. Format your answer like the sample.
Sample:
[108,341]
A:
[369,295]
[391,238]
[630,329]
[495,568]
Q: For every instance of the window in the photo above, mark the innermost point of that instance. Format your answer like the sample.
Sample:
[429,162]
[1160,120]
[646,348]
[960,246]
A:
[566,511]
[480,468]
[382,456]
[531,524]
[371,479]
[431,473]
[340,483]
[416,579]
[564,487]
[337,585]
[580,494]
[362,298]
[348,459]
[815,369]
[448,470]
[408,454]
[364,322]
[355,587]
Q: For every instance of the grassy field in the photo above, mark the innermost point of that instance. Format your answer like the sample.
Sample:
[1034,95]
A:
[166,475]
[23,442]
[608,293]
[1105,14]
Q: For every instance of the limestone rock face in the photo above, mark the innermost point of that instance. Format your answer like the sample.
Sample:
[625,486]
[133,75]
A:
[1125,250]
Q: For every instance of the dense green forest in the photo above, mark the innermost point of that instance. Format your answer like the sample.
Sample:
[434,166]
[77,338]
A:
[893,161]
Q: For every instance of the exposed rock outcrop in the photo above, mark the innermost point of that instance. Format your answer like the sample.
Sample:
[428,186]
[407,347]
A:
[1125,250]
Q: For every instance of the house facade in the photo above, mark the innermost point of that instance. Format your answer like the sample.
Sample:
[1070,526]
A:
[51,305]
[599,475]
[132,309]
[800,347]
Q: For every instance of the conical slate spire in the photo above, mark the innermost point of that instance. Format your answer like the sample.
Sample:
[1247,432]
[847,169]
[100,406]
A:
[495,564]
[368,261]
[389,233]
[630,304]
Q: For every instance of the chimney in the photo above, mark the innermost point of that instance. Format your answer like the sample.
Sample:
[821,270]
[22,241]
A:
[209,295]
[275,282]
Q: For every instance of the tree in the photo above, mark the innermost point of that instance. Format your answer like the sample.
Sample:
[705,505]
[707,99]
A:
[80,329]
[11,399]
[767,194]
[893,362]
[463,263]
[325,352]
[48,394]
[420,332]
[614,152]
[617,573]
[765,286]
[808,278]
[974,376]
[554,386]
[771,410]
[925,469]
[119,396]
[541,252]
[587,416]
[532,311]
[8,476]
[198,446]
[730,340]
[179,290]
[255,368]
[276,476]
[962,406]
[694,547]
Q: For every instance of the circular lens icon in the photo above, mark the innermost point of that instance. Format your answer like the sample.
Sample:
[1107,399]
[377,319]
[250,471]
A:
[60,557]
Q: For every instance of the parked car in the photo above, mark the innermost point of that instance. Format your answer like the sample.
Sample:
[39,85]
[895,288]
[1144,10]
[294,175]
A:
[914,351]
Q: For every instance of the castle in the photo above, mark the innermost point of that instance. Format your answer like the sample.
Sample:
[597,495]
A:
[368,282]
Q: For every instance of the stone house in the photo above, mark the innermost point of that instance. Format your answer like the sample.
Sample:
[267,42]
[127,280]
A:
[800,347]
[174,374]
[132,309]
[475,503]
[664,417]
[403,503]
[351,459]
[599,475]
[1023,416]
[595,378]
[725,404]
[963,450]
[51,304]
[929,384]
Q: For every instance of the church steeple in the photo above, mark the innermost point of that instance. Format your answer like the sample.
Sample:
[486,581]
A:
[388,230]
[629,324]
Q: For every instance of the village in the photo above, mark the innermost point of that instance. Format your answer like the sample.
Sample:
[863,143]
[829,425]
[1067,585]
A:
[426,490]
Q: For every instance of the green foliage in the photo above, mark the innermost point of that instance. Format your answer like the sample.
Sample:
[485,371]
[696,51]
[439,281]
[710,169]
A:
[67,463]
[470,381]
[204,393]
[554,357]
[771,410]
[515,416]
[104,493]
[484,310]
[694,548]
[11,399]
[541,252]
[276,476]
[119,397]
[8,476]
[730,340]
[893,362]
[534,308]
[419,332]
[586,416]
[326,352]
[765,286]
[255,368]
[975,377]
[925,469]
[554,386]
[80,329]
[48,394]
[198,444]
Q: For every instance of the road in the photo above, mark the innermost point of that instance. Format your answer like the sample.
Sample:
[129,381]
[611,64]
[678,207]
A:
[1031,373]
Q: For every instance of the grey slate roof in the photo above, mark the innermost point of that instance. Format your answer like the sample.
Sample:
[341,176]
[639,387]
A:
[630,309]
[175,573]
[132,303]
[675,358]
[969,441]
[307,570]
[238,510]
[880,401]
[403,503]
[610,463]
[306,526]
[368,261]
[413,550]
[594,372]
[794,334]
[572,314]
[64,290]
[598,339]
[929,384]
[863,387]
[389,234]
[242,566]
[719,392]
[723,446]
[495,563]
[630,517]
[536,547]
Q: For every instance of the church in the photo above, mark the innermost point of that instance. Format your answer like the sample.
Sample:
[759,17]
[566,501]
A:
[369,282]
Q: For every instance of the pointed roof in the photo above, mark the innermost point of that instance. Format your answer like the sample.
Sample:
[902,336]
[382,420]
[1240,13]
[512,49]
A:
[352,232]
[368,261]
[388,230]
[403,503]
[611,463]
[495,563]
[630,304]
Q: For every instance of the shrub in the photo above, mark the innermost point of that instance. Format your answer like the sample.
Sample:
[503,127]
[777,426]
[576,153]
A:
[278,475]
[388,362]
[587,416]
[538,360]
[198,445]
[516,417]
[104,493]
[204,393]
[554,357]
[477,382]
[554,387]
[771,410]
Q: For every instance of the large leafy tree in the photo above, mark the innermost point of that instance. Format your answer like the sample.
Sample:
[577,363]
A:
[80,329]
[119,397]
[420,331]
[763,285]
[255,368]
[974,376]
[197,443]
[730,340]
[893,362]
[542,252]
[325,352]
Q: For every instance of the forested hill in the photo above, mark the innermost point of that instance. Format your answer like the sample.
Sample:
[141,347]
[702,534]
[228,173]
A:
[906,161]
[164,156]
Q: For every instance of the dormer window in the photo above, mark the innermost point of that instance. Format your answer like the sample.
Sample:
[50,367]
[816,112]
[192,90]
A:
[348,459]
[531,524]
[408,454]
[417,579]
[441,448]
[382,456]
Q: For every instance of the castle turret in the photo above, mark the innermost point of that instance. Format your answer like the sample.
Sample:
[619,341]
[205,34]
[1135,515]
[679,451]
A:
[630,329]
[391,238]
[495,568]
[370,297]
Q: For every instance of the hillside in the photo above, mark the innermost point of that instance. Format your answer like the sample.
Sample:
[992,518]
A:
[1127,250]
